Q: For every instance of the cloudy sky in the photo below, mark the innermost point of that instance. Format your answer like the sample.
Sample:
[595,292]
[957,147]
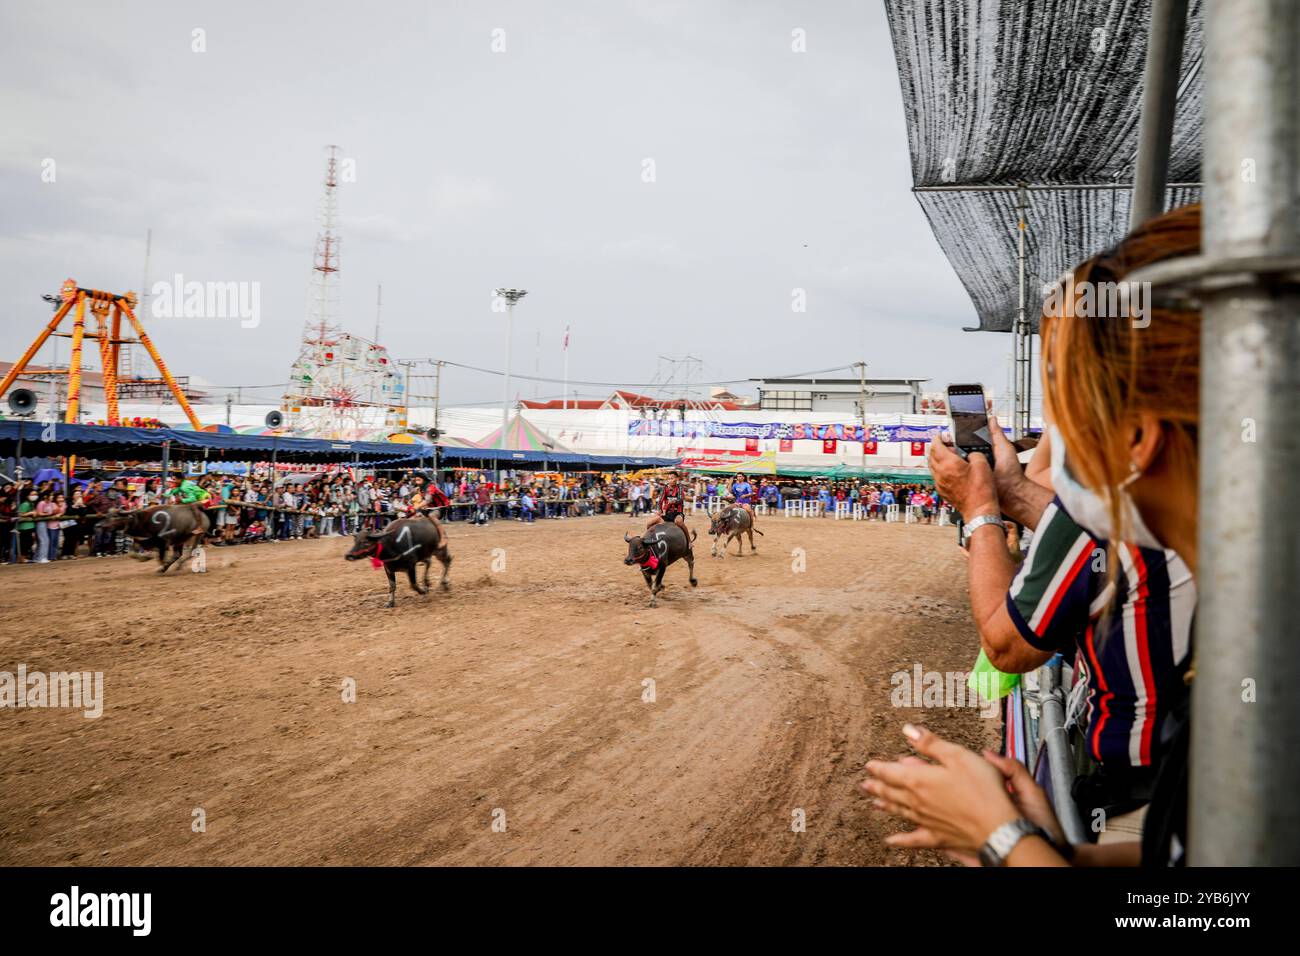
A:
[475,167]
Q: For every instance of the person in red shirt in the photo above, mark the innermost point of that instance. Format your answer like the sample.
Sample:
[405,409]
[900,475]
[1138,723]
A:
[672,506]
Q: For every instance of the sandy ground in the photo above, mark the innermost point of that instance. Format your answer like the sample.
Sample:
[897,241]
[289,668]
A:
[515,698]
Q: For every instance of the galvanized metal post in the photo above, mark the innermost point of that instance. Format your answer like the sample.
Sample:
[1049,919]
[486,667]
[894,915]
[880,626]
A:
[1159,99]
[1245,778]
[1023,350]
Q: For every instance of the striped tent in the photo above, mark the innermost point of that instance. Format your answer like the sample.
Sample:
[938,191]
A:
[521,435]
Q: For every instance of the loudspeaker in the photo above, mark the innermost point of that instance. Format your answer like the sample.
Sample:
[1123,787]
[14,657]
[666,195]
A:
[433,434]
[22,401]
[274,419]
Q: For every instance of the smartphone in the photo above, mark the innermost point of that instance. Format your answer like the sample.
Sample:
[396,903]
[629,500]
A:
[969,417]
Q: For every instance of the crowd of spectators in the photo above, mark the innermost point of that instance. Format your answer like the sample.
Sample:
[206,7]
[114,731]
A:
[247,509]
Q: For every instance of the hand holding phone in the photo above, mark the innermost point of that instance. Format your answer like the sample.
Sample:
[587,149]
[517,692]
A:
[969,420]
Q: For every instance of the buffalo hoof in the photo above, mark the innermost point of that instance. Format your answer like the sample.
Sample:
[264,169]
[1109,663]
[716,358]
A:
[694,583]
[446,586]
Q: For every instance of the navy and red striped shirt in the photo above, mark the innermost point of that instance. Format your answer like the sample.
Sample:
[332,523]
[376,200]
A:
[1132,633]
[673,499]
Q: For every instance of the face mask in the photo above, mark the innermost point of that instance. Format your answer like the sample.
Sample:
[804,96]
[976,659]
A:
[1088,509]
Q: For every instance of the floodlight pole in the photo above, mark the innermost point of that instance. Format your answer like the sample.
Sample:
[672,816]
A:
[511,296]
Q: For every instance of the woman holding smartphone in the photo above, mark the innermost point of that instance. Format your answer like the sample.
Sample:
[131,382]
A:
[1124,400]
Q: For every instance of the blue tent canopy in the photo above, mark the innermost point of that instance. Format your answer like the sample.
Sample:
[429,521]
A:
[522,457]
[145,444]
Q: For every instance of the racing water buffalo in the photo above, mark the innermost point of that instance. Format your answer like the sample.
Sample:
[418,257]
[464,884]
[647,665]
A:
[161,527]
[655,550]
[402,545]
[732,522]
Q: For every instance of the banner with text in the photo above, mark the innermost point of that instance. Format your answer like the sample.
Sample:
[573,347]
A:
[783,431]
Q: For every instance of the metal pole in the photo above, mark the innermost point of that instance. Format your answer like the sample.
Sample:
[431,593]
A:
[166,463]
[437,405]
[15,541]
[1022,398]
[271,514]
[1159,99]
[862,409]
[1051,733]
[1244,772]
[505,408]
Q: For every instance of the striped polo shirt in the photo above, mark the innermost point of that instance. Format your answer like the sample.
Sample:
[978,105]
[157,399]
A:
[1133,635]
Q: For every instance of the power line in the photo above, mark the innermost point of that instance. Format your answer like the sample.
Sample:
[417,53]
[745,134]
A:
[560,381]
[658,384]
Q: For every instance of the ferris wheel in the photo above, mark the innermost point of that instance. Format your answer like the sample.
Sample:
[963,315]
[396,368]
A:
[344,388]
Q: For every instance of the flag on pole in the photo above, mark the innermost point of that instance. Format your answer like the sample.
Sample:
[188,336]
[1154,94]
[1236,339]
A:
[566,338]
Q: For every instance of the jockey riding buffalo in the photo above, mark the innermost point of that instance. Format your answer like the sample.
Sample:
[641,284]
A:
[161,527]
[732,522]
[655,550]
[403,544]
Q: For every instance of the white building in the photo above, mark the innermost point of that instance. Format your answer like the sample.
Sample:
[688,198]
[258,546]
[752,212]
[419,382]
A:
[888,396]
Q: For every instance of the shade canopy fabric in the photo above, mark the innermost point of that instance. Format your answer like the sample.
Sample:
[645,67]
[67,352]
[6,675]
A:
[1003,92]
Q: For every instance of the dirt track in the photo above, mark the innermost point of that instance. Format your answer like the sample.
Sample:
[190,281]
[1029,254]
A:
[518,691]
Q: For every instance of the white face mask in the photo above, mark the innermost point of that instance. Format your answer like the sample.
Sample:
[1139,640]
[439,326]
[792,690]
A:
[1088,509]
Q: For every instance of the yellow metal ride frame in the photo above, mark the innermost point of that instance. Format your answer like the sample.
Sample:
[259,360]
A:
[108,333]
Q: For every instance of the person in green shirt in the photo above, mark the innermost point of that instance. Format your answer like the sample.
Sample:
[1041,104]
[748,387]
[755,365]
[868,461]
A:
[26,529]
[189,492]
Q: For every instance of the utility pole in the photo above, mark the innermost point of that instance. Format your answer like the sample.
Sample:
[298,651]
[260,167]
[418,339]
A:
[437,408]
[228,404]
[862,410]
[406,393]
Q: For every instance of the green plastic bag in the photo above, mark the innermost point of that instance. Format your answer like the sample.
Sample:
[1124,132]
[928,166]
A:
[989,682]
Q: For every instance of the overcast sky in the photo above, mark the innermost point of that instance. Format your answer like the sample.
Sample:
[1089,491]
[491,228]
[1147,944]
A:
[774,170]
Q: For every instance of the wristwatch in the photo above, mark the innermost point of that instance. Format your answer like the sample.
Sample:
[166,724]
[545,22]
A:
[969,528]
[1003,840]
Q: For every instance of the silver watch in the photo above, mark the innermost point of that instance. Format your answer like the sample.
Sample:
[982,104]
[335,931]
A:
[1003,840]
[969,528]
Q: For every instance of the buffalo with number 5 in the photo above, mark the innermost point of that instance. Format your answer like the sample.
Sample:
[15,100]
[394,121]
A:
[655,550]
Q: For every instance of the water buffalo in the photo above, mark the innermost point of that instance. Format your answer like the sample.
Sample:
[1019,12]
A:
[403,544]
[161,527]
[655,550]
[732,522]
